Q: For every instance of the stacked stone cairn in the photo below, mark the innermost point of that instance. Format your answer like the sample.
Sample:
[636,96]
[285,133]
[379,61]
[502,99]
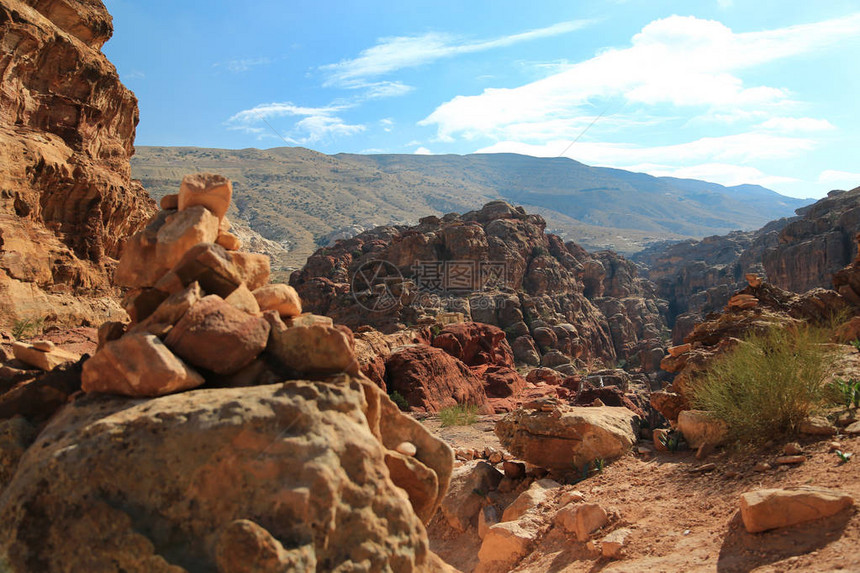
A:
[203,312]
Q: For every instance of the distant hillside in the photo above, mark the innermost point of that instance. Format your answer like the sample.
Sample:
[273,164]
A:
[303,199]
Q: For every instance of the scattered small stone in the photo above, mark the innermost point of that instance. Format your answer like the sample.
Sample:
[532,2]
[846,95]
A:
[761,467]
[731,474]
[43,345]
[704,468]
[853,429]
[817,426]
[598,403]
[792,449]
[514,470]
[612,545]
[43,360]
[796,459]
[833,446]
[574,496]
[407,449]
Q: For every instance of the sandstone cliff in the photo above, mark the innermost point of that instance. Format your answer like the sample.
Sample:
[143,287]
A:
[819,243]
[67,129]
[796,254]
[554,301]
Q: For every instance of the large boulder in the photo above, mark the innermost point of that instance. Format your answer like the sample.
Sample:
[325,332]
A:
[766,509]
[567,437]
[114,484]
[431,380]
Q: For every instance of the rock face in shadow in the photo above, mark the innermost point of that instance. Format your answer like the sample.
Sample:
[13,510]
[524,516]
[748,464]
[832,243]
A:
[495,266]
[67,128]
[157,485]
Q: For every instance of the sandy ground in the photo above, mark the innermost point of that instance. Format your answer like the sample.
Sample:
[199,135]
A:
[682,520]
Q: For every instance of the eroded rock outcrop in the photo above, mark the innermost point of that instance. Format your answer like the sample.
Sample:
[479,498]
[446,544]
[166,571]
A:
[816,245]
[67,127]
[555,302]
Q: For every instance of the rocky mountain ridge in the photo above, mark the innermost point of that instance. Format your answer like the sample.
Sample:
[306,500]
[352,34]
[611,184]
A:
[304,199]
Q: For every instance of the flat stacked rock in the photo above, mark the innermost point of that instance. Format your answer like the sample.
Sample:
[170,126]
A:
[203,312]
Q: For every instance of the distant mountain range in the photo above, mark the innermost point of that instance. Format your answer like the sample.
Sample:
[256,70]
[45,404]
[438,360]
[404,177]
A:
[303,199]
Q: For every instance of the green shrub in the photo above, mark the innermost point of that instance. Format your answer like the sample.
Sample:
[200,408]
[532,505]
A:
[768,384]
[27,327]
[847,392]
[398,399]
[459,415]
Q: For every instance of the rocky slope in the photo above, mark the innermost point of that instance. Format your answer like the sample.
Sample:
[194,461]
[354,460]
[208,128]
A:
[795,254]
[554,301]
[66,134]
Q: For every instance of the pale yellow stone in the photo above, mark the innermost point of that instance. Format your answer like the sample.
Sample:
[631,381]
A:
[279,297]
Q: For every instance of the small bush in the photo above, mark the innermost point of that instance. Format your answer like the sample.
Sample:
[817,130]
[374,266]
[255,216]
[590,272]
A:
[27,327]
[398,399]
[459,415]
[768,384]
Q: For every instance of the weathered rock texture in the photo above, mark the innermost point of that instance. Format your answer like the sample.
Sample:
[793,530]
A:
[796,254]
[157,485]
[569,437]
[817,245]
[554,301]
[66,134]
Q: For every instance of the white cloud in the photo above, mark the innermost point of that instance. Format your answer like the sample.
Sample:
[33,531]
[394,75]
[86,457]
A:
[242,64]
[376,90]
[316,123]
[797,124]
[678,61]
[399,52]
[722,173]
[740,148]
[422,151]
[846,178]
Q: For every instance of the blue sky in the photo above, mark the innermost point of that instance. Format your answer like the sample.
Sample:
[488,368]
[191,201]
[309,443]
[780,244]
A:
[730,91]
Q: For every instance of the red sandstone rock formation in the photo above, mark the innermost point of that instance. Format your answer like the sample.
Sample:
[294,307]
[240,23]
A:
[554,301]
[67,127]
